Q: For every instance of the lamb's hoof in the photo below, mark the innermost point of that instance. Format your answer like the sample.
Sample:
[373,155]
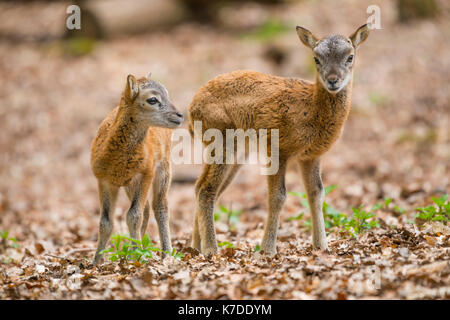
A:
[269,252]
[192,251]
[166,253]
[97,260]
[196,247]
[210,251]
[322,247]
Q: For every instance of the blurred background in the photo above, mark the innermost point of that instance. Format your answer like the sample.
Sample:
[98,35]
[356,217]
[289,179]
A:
[57,85]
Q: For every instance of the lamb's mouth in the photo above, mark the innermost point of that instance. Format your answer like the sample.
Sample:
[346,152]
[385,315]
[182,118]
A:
[175,122]
[333,89]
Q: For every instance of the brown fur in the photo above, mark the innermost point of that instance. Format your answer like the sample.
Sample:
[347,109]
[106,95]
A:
[123,148]
[309,117]
[289,105]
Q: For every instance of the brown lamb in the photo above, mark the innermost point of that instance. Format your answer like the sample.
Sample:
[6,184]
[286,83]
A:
[132,150]
[309,117]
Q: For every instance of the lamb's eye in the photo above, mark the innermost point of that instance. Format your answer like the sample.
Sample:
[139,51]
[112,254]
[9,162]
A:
[152,100]
[350,58]
[316,61]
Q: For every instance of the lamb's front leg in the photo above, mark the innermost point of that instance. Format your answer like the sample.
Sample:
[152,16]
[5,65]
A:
[108,196]
[161,184]
[314,190]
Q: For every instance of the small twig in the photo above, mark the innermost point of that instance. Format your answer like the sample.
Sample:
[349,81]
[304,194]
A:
[78,250]
[68,254]
[57,257]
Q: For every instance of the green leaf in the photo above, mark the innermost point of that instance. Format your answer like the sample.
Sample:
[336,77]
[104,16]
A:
[378,206]
[131,239]
[147,254]
[305,203]
[440,201]
[308,223]
[177,255]
[107,250]
[297,217]
[399,209]
[330,188]
[328,224]
[387,201]
[223,209]
[225,244]
[329,210]
[145,241]
[298,194]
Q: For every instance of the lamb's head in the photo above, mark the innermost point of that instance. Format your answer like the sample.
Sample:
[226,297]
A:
[149,102]
[334,56]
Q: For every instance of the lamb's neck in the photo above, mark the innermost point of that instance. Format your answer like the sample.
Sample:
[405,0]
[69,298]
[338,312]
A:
[127,133]
[335,107]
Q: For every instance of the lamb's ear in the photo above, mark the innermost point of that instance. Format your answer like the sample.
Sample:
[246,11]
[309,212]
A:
[359,35]
[149,75]
[306,37]
[132,89]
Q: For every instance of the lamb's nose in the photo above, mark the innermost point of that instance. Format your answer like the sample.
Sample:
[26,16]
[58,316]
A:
[180,115]
[332,81]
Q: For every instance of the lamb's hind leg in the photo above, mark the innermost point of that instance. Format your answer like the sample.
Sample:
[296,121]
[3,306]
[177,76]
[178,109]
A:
[207,193]
[145,218]
[195,232]
[314,190]
[231,173]
[139,198]
[108,196]
[130,193]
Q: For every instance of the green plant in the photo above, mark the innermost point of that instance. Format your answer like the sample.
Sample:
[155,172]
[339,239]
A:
[439,211]
[226,244]
[385,206]
[335,219]
[399,209]
[257,248]
[126,248]
[329,212]
[6,241]
[353,225]
[361,220]
[387,201]
[232,216]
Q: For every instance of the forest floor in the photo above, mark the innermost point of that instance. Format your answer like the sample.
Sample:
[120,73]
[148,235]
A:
[395,145]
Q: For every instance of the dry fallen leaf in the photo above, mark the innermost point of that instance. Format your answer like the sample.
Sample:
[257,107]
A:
[39,248]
